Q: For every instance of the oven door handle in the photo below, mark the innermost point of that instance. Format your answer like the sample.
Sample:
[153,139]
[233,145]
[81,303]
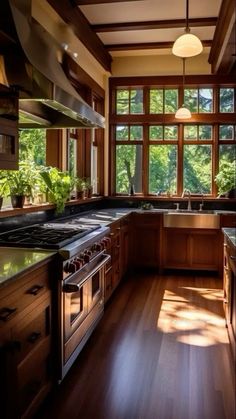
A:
[70,287]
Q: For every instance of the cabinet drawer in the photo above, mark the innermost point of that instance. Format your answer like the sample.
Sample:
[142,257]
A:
[33,377]
[31,330]
[26,291]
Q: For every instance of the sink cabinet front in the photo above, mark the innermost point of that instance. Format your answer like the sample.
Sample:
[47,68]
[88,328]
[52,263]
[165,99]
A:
[146,240]
[191,249]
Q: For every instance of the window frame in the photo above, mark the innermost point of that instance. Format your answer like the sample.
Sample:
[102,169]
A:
[215,119]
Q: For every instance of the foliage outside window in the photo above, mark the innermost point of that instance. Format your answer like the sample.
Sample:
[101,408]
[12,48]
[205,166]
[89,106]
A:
[162,169]
[227,100]
[129,101]
[198,148]
[128,168]
[199,100]
[198,168]
[32,145]
[163,101]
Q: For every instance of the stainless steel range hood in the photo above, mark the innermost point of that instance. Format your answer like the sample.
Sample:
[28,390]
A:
[46,97]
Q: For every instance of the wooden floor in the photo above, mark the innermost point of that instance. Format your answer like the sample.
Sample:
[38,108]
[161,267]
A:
[160,352]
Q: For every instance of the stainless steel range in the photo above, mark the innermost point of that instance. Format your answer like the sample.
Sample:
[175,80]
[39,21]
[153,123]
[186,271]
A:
[81,266]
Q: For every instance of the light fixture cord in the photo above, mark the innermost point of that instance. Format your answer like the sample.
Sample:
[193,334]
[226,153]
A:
[183,77]
[187,12]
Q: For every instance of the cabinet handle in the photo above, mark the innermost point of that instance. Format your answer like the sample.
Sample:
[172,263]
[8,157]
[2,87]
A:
[6,313]
[35,289]
[34,337]
[112,234]
[118,228]
[232,257]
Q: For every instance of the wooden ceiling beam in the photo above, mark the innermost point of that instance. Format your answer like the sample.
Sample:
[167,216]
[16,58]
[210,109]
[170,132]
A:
[86,2]
[147,45]
[154,24]
[73,17]
[223,45]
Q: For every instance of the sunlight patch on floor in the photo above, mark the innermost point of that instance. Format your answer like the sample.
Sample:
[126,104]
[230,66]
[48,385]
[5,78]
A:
[188,321]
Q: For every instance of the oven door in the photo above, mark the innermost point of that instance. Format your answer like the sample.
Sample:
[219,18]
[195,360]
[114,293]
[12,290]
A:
[81,292]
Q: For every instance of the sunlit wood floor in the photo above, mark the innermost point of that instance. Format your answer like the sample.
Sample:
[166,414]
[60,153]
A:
[161,351]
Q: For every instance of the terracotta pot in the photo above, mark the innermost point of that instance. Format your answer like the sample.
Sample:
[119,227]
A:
[17,201]
[80,195]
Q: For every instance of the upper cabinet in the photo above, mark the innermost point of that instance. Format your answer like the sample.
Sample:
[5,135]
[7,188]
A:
[8,128]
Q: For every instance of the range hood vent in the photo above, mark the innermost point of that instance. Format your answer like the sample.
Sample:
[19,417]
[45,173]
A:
[46,97]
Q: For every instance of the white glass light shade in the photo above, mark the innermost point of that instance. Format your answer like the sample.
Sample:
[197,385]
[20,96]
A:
[183,113]
[187,45]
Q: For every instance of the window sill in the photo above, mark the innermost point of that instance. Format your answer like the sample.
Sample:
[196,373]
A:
[11,212]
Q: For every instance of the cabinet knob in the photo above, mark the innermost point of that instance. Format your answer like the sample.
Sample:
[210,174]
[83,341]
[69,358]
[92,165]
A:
[34,337]
[6,313]
[35,289]
[232,257]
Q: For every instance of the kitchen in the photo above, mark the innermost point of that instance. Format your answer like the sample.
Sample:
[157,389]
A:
[116,305]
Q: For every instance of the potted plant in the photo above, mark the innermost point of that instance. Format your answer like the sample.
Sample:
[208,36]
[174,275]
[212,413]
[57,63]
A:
[19,186]
[80,188]
[88,188]
[59,186]
[226,180]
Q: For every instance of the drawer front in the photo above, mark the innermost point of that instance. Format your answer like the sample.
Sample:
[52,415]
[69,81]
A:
[33,377]
[26,291]
[32,330]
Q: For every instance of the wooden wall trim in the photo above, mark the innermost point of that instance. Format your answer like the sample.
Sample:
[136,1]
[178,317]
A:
[224,27]
[76,73]
[147,45]
[194,80]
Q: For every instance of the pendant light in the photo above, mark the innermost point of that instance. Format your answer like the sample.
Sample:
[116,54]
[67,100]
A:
[183,112]
[187,45]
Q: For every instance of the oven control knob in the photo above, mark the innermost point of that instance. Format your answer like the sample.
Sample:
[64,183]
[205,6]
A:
[86,258]
[78,263]
[98,247]
[88,252]
[70,267]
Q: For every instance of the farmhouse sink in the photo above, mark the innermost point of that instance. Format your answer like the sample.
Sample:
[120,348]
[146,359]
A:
[192,219]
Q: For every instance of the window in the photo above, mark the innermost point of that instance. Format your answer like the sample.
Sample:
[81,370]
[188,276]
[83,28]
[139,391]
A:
[199,100]
[129,101]
[128,168]
[162,169]
[32,145]
[227,100]
[161,154]
[72,153]
[163,101]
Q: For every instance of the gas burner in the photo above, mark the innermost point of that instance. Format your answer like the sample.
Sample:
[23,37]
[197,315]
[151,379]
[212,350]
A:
[46,236]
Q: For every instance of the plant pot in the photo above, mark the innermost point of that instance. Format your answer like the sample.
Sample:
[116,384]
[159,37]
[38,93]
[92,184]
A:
[89,192]
[80,195]
[17,201]
[1,201]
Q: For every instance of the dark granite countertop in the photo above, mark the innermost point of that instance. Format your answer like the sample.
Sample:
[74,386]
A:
[15,261]
[230,233]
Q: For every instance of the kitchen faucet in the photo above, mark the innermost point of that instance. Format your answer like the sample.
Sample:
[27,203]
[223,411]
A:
[187,191]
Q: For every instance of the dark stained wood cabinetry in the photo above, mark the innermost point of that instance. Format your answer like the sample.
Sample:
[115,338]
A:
[191,249]
[146,240]
[119,251]
[8,128]
[230,292]
[25,343]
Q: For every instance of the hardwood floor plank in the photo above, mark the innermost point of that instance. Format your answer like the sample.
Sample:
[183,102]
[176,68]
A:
[161,351]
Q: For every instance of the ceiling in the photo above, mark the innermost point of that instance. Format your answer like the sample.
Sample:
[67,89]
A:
[149,24]
[111,28]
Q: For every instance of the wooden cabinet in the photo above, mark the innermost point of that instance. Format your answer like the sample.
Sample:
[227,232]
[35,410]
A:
[146,240]
[25,343]
[191,249]
[230,292]
[8,128]
[119,251]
